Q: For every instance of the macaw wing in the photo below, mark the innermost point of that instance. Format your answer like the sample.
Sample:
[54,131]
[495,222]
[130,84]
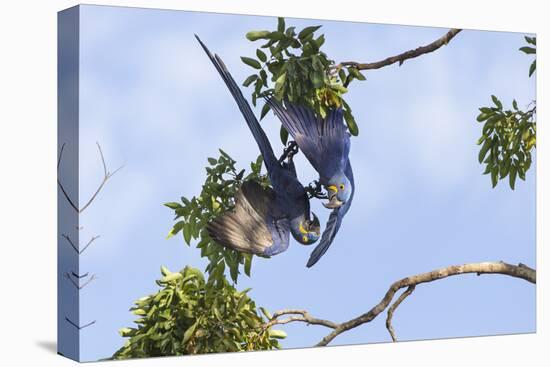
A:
[333,224]
[251,227]
[324,142]
[257,131]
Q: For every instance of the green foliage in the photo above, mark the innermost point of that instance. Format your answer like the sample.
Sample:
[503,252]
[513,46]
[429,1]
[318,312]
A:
[189,315]
[531,50]
[508,136]
[217,196]
[291,66]
[506,142]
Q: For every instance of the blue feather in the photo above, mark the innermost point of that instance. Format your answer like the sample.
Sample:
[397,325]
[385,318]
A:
[333,224]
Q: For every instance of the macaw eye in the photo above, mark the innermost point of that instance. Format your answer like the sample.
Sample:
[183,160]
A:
[342,186]
[304,238]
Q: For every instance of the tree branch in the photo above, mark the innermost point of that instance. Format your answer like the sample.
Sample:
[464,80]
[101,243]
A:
[106,176]
[392,309]
[77,326]
[76,283]
[520,271]
[77,248]
[403,56]
[304,316]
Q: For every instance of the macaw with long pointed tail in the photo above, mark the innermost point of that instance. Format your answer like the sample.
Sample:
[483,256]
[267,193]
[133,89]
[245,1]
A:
[326,145]
[262,219]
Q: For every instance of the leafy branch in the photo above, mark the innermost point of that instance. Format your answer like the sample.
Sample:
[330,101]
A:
[508,136]
[216,197]
[299,72]
[190,315]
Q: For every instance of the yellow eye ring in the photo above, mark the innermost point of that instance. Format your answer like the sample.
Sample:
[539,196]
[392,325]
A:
[342,186]
[304,238]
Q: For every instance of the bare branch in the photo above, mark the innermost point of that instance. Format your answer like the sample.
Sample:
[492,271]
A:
[88,244]
[77,248]
[520,271]
[106,176]
[79,327]
[403,56]
[76,284]
[392,308]
[79,276]
[304,317]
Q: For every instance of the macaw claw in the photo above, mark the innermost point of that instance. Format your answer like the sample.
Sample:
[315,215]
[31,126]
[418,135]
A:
[290,151]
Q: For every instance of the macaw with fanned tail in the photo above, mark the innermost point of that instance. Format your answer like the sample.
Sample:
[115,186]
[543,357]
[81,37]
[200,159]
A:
[262,219]
[326,145]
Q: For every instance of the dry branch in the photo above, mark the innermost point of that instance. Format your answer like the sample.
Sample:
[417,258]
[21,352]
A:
[403,56]
[77,248]
[520,271]
[106,175]
[77,326]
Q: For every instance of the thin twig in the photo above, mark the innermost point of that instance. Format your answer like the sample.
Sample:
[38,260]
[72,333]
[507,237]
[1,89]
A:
[403,56]
[88,244]
[520,271]
[392,309]
[76,284]
[79,327]
[79,276]
[77,248]
[106,176]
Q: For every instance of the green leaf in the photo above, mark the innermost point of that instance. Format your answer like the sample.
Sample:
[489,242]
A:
[164,270]
[528,50]
[173,205]
[320,41]
[484,149]
[512,176]
[261,55]
[279,85]
[532,68]
[251,62]
[266,313]
[317,78]
[496,102]
[281,24]
[126,332]
[350,122]
[277,334]
[483,116]
[356,73]
[247,264]
[256,35]
[494,176]
[307,32]
[531,40]
[187,233]
[212,161]
[189,332]
[250,79]
[265,110]
[171,277]
[175,229]
[284,135]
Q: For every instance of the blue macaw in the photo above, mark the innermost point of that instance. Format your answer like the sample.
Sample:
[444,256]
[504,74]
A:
[326,145]
[262,219]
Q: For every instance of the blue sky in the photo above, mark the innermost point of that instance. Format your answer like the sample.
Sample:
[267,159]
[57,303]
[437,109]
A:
[152,99]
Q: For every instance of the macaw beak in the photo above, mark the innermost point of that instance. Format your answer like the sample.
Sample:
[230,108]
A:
[333,201]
